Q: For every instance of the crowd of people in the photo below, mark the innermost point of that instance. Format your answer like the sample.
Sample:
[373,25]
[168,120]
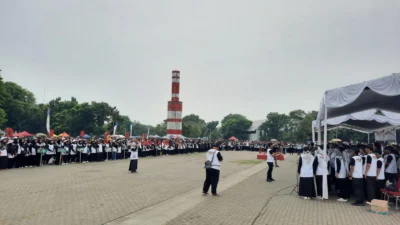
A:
[18,152]
[360,170]
[23,152]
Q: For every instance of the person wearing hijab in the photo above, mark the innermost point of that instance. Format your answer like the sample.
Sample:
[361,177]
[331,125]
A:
[341,172]
[133,157]
[3,153]
[11,153]
[322,168]
[306,169]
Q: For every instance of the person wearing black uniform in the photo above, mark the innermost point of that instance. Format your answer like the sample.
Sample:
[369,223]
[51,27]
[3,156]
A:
[3,153]
[212,174]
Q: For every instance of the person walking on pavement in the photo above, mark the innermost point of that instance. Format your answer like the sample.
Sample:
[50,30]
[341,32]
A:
[212,173]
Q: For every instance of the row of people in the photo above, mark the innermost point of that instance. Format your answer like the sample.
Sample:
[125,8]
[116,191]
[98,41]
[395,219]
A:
[361,171]
[21,153]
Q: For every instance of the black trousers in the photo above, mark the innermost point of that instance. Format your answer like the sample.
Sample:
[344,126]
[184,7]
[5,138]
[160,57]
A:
[380,184]
[319,179]
[344,188]
[358,189]
[19,161]
[212,178]
[371,188]
[270,169]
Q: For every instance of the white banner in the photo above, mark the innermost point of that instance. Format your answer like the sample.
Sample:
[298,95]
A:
[385,135]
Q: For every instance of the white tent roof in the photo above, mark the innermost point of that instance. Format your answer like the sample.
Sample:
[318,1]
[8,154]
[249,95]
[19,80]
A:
[366,121]
[380,94]
[2,132]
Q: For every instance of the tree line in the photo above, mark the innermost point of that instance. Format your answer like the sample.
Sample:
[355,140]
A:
[20,111]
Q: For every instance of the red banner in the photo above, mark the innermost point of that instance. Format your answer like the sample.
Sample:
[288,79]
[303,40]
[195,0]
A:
[9,131]
[82,133]
[51,133]
[126,135]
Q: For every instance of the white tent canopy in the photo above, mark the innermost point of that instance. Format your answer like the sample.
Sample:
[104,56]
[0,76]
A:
[365,121]
[379,94]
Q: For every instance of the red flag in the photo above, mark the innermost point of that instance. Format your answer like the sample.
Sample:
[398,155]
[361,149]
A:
[105,136]
[51,133]
[126,135]
[82,133]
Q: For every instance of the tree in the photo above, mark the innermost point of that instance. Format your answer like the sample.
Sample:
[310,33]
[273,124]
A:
[216,134]
[18,104]
[235,125]
[193,126]
[160,129]
[192,130]
[3,117]
[276,125]
[212,125]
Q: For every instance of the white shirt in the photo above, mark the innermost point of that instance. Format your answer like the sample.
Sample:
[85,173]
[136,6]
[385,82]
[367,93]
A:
[373,165]
[306,169]
[392,166]
[381,175]
[322,167]
[134,155]
[358,167]
[215,163]
[343,171]
[270,158]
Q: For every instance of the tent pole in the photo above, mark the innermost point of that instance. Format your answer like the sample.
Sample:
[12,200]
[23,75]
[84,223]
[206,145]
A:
[319,131]
[368,138]
[313,133]
[325,177]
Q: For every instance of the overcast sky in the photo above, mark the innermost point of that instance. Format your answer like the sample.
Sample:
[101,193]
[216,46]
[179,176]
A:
[250,57]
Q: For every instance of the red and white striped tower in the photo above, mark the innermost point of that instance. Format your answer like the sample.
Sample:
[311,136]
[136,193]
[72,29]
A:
[174,120]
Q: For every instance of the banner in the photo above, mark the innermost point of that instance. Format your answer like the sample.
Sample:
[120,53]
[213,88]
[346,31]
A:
[9,131]
[51,133]
[385,135]
[82,133]
[115,127]
[48,121]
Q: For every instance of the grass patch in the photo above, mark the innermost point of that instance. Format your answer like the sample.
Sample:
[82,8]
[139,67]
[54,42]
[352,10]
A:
[248,162]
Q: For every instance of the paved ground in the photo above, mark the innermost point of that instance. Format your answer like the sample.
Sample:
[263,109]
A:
[255,201]
[103,193]
[100,192]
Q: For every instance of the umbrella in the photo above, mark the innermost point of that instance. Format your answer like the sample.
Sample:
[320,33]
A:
[40,135]
[86,136]
[24,134]
[64,135]
[336,140]
[232,138]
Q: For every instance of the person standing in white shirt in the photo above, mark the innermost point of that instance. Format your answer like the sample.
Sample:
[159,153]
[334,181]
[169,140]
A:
[271,154]
[212,174]
[356,176]
[370,173]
